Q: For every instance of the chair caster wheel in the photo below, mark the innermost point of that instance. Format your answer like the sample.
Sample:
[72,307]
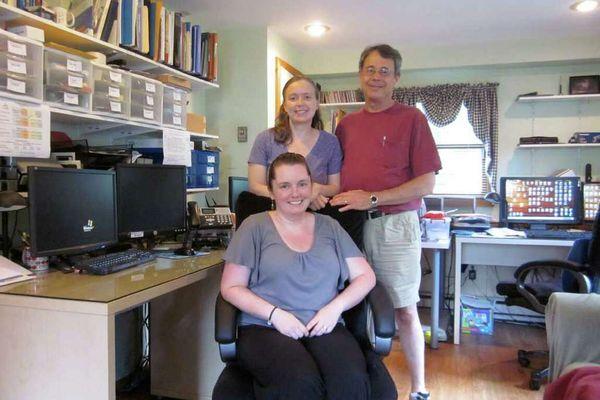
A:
[535,384]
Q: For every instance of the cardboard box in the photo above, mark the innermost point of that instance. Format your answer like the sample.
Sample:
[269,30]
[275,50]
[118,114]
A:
[196,123]
[175,81]
[477,316]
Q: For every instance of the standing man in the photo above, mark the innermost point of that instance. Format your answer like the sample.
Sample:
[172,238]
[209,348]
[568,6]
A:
[390,161]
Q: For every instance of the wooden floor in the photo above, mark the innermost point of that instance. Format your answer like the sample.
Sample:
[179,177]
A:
[480,368]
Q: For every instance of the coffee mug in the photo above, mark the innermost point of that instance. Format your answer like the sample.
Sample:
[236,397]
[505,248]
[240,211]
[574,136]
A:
[63,16]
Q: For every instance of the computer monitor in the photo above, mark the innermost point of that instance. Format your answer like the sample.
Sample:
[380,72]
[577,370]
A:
[540,200]
[151,199]
[591,200]
[237,184]
[71,210]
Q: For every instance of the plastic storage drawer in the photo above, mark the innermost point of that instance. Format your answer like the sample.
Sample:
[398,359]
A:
[21,67]
[112,91]
[175,107]
[146,99]
[67,80]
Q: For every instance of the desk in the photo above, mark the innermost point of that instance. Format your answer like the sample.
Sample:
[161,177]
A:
[510,252]
[58,330]
[438,247]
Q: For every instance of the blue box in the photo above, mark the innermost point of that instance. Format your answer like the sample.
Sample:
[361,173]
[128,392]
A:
[587,137]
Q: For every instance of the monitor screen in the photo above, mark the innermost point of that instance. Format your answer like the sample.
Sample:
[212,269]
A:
[151,199]
[591,200]
[237,185]
[71,210]
[540,200]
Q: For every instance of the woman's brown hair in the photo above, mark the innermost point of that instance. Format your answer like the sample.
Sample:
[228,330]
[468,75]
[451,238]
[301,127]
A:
[282,129]
[285,159]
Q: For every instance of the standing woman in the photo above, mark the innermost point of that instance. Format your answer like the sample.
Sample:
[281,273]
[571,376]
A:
[298,129]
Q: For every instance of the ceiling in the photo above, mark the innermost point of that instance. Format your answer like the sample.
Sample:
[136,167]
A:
[409,23]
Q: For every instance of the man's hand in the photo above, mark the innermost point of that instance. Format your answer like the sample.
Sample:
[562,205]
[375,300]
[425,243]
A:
[352,200]
[318,202]
[324,321]
[287,324]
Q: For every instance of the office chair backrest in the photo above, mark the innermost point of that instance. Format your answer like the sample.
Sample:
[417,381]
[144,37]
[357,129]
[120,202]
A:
[237,184]
[594,248]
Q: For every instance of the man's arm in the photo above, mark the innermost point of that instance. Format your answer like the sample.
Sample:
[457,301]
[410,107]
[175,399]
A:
[416,188]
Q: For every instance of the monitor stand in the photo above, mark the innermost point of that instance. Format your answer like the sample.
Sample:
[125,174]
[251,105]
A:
[538,227]
[186,249]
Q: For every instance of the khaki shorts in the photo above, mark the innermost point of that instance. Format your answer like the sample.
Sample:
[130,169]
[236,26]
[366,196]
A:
[393,248]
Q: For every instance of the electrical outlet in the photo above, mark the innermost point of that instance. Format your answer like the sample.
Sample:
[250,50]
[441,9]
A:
[472,274]
[242,134]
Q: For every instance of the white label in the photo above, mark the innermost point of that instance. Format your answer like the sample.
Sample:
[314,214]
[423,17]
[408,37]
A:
[136,234]
[15,85]
[177,96]
[115,106]
[71,98]
[18,67]
[150,100]
[177,109]
[211,159]
[75,81]
[148,114]
[115,76]
[114,92]
[74,65]
[176,120]
[210,170]
[150,87]
[19,49]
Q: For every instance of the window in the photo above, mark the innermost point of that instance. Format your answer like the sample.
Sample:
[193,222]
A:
[462,155]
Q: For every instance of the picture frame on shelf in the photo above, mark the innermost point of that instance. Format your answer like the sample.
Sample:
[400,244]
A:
[587,84]
[283,73]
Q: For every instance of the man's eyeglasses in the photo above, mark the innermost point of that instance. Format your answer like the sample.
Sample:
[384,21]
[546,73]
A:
[383,71]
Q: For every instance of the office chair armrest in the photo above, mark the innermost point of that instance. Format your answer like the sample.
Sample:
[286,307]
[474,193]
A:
[583,282]
[383,312]
[226,323]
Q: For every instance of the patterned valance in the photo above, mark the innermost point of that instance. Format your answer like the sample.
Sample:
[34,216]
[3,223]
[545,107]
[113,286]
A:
[442,104]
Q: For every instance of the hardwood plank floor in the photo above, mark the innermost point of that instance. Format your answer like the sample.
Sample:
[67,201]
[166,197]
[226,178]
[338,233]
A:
[480,368]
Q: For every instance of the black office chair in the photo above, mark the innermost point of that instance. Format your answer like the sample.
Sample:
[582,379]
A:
[537,280]
[374,335]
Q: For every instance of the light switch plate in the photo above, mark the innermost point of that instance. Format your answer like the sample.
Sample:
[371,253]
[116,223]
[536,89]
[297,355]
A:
[242,134]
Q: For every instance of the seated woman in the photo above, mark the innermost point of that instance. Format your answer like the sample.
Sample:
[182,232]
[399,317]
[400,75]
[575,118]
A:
[286,271]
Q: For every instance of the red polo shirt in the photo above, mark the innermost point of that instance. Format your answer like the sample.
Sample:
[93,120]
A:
[386,149]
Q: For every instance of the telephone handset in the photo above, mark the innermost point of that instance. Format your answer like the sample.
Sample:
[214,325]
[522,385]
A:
[209,217]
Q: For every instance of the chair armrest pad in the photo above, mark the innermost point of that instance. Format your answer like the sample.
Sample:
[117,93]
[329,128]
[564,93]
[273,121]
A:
[383,312]
[226,321]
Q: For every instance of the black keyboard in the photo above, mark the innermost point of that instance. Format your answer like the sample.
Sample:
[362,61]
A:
[113,262]
[557,234]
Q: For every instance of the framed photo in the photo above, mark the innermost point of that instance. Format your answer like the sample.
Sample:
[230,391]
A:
[589,84]
[283,73]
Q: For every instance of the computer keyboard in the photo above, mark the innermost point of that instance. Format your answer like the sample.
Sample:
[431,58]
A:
[113,262]
[557,234]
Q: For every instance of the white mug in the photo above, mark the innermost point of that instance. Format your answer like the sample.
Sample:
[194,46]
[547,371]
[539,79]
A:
[63,16]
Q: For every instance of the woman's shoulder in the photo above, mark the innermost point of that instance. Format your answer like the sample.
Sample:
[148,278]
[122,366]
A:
[254,221]
[266,136]
[328,139]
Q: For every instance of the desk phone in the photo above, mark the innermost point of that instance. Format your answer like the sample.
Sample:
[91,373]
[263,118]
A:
[210,217]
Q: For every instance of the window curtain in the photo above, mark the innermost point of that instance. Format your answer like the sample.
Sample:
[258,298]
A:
[442,104]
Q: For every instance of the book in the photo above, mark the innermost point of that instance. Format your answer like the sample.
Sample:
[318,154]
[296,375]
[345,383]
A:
[83,12]
[100,12]
[111,19]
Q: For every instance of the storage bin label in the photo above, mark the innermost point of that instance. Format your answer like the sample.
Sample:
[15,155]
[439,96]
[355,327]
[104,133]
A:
[19,49]
[15,85]
[75,81]
[150,87]
[115,76]
[177,109]
[210,170]
[115,106]
[177,120]
[177,96]
[71,98]
[114,92]
[148,114]
[74,65]
[18,67]
[150,100]
[211,159]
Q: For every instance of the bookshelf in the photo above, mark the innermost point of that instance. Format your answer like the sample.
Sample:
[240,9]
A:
[342,105]
[69,37]
[558,97]
[578,146]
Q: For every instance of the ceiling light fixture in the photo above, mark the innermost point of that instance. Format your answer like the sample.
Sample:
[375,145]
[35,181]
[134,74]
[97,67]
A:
[316,29]
[584,5]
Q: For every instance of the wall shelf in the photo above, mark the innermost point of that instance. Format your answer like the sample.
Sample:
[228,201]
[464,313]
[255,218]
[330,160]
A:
[199,190]
[558,97]
[69,37]
[578,146]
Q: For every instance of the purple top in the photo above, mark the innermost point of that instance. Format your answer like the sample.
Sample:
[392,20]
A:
[324,159]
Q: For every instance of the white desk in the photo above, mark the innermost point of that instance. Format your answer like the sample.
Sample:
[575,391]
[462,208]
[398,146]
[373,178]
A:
[58,330]
[510,252]
[438,247]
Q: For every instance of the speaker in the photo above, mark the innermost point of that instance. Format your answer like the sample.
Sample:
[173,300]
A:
[588,173]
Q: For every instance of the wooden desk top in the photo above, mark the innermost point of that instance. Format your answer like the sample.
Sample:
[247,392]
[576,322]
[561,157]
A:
[107,288]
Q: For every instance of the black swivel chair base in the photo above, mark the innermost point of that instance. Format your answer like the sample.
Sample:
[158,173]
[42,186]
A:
[539,375]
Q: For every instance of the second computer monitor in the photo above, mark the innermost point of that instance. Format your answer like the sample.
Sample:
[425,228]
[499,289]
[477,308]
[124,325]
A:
[151,199]
[540,200]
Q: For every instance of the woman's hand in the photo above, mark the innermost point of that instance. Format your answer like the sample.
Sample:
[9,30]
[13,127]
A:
[287,324]
[317,199]
[325,320]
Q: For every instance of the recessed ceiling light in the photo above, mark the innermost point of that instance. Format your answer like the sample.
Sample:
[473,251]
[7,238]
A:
[585,5]
[316,29]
